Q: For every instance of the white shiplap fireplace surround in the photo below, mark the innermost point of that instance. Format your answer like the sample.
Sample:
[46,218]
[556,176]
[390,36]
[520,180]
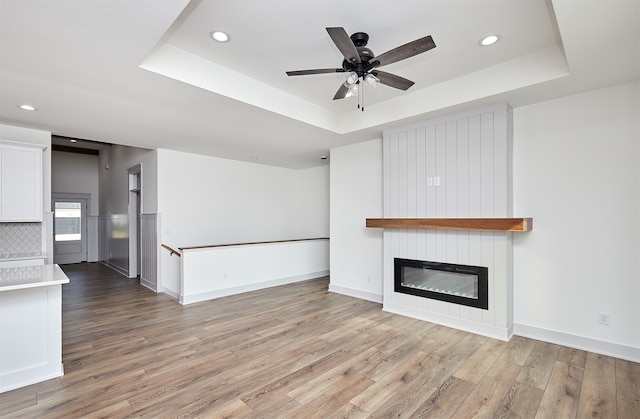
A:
[458,166]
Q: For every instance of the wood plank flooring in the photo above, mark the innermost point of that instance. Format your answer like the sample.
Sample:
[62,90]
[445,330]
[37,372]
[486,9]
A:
[298,351]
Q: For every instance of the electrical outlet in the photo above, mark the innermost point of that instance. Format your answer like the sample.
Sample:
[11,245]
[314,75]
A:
[436,181]
[603,318]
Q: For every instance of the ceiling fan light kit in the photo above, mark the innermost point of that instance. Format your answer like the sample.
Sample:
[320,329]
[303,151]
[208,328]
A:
[361,63]
[371,80]
[351,80]
[353,90]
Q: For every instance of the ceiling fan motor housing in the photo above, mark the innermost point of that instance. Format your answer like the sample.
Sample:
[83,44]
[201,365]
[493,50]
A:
[360,40]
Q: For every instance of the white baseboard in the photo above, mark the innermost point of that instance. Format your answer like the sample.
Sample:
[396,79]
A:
[363,295]
[148,284]
[28,376]
[170,293]
[115,267]
[210,295]
[453,322]
[616,350]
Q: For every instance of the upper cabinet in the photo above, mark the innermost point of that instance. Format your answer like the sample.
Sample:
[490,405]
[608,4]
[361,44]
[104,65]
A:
[20,182]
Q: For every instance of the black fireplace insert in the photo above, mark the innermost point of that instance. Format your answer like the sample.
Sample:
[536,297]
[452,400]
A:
[460,284]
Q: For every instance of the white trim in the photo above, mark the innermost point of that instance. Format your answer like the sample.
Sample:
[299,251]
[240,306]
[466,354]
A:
[113,266]
[196,298]
[351,292]
[169,292]
[149,251]
[23,144]
[134,210]
[93,254]
[617,350]
[148,286]
[494,332]
[89,235]
[27,377]
[73,195]
[47,236]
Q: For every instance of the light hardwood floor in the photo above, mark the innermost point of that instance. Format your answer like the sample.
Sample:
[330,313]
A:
[298,351]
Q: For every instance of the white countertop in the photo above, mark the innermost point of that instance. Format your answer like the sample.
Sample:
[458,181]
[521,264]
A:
[31,276]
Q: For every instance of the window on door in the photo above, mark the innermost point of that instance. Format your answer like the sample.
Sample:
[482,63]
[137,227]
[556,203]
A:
[68,221]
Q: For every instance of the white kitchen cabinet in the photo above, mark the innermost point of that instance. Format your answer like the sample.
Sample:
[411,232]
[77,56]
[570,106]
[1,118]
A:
[20,182]
[30,324]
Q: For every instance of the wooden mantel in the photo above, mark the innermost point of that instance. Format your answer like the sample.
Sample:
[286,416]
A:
[481,224]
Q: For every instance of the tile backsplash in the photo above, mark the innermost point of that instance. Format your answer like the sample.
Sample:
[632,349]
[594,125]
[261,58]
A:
[20,239]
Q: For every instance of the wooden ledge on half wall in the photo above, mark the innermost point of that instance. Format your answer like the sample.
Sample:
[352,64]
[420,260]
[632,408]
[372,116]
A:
[479,224]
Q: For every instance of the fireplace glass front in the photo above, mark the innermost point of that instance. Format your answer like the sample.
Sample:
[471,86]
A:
[459,284]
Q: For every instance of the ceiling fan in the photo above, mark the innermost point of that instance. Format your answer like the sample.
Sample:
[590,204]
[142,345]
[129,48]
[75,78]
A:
[361,63]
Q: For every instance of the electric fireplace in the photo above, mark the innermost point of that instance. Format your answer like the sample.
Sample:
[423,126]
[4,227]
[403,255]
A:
[459,284]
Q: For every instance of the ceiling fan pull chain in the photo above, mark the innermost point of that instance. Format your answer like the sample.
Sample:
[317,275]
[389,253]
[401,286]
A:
[362,96]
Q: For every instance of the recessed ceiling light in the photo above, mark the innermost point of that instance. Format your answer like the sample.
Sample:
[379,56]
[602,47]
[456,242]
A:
[219,36]
[73,141]
[26,107]
[489,40]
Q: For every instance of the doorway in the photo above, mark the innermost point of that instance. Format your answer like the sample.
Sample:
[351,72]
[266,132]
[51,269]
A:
[135,209]
[70,227]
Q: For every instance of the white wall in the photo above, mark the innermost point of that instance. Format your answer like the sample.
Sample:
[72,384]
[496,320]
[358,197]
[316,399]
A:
[576,172]
[207,200]
[75,173]
[114,181]
[214,272]
[312,202]
[356,194]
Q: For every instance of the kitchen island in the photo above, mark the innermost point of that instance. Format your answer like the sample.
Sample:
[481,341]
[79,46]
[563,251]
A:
[30,324]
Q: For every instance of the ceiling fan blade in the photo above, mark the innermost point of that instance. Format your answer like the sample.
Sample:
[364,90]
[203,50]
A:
[404,51]
[315,71]
[342,92]
[344,44]
[392,80]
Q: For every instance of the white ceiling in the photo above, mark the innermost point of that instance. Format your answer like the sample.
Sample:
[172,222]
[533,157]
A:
[146,73]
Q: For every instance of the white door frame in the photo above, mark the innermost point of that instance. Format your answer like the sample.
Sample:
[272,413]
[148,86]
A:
[69,196]
[134,211]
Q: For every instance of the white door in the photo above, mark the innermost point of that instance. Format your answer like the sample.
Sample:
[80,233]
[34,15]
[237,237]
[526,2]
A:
[69,230]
